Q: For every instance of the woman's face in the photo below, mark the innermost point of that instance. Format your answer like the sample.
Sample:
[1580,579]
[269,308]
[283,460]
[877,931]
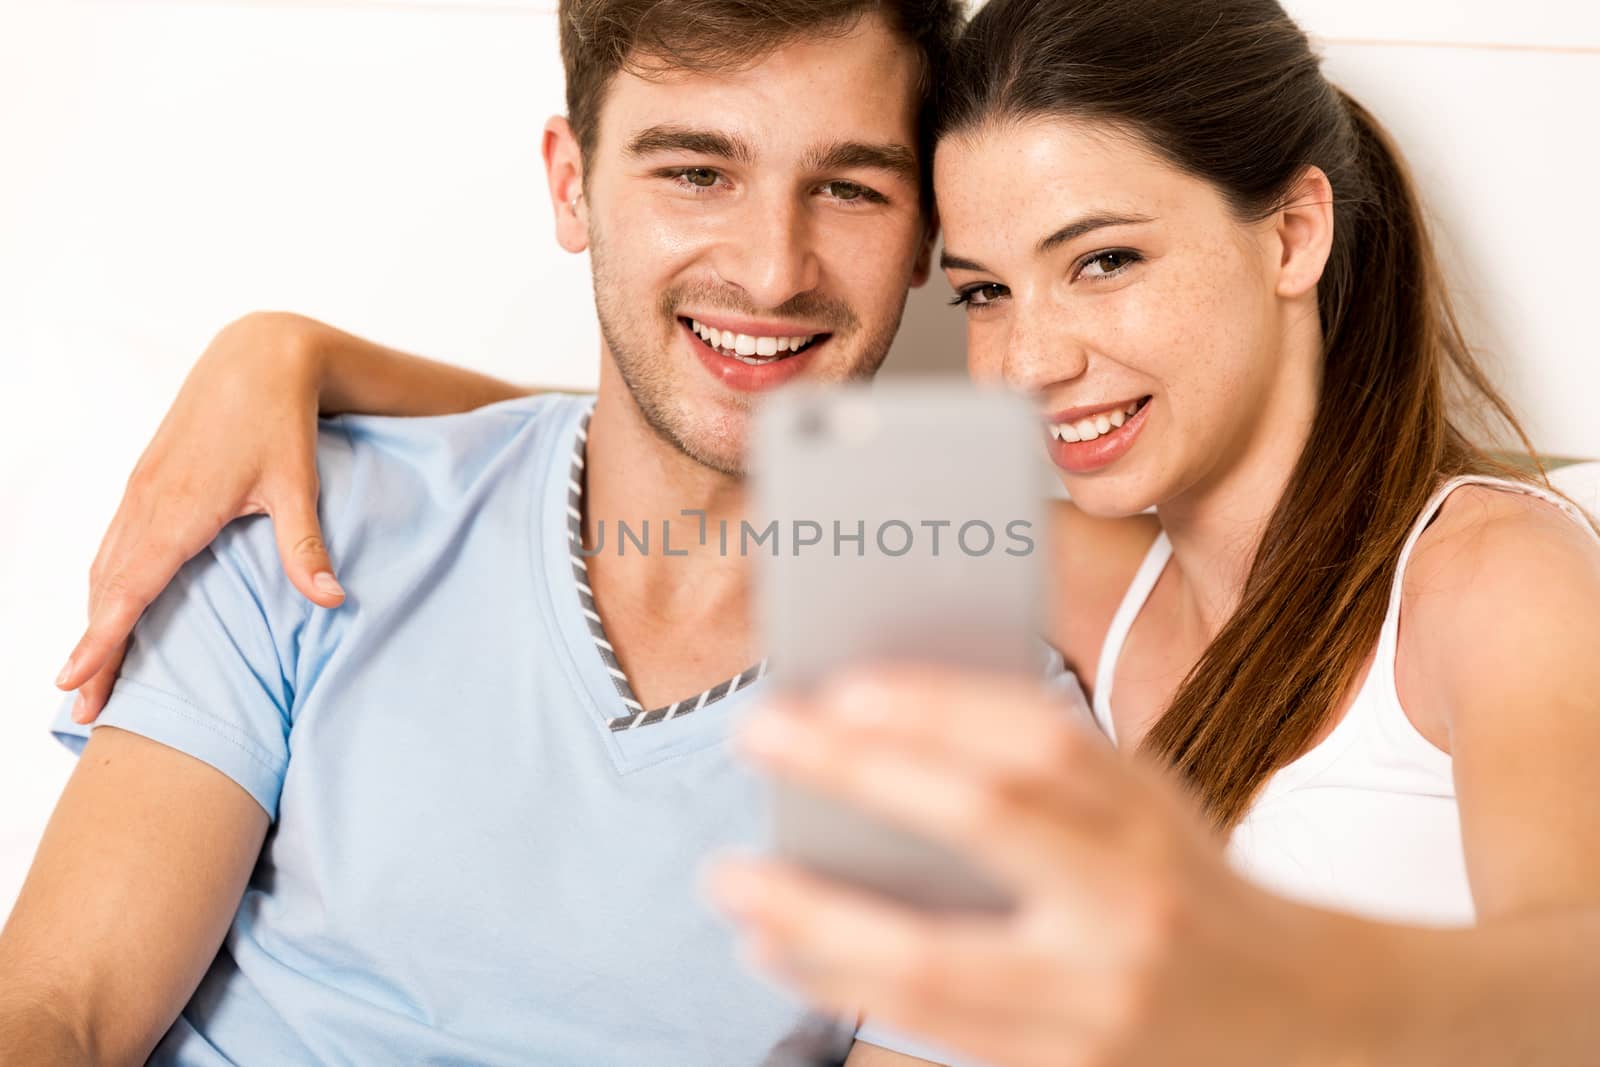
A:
[1095,275]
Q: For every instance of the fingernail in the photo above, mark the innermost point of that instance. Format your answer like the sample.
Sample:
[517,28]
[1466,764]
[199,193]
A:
[327,583]
[66,672]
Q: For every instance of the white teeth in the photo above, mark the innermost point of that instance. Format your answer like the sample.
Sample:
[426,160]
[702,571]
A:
[1092,426]
[741,345]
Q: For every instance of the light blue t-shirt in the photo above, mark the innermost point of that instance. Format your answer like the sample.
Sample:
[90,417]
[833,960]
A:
[466,865]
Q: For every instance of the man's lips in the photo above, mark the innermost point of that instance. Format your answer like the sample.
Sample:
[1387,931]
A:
[754,327]
[751,373]
[751,342]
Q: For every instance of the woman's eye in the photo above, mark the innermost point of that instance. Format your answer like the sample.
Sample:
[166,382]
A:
[981,295]
[1109,263]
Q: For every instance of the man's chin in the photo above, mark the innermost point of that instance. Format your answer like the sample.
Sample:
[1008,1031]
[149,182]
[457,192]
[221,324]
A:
[720,451]
[713,436]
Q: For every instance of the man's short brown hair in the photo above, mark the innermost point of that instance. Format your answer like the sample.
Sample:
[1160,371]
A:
[601,37]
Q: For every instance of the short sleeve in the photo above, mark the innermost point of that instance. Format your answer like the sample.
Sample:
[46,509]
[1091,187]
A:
[211,666]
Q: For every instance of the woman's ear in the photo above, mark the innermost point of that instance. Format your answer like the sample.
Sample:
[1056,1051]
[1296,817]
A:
[563,167]
[1304,228]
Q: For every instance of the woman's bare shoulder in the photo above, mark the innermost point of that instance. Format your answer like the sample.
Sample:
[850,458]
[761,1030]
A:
[1488,557]
[1092,560]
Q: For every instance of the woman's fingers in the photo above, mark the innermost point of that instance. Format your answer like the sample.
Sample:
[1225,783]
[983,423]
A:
[301,547]
[1027,829]
[1008,727]
[94,693]
[137,560]
[955,978]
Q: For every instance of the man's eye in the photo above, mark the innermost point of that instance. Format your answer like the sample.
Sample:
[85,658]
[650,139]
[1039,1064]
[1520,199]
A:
[693,179]
[851,192]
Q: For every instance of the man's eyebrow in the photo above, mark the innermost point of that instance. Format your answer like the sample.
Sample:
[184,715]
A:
[898,159]
[1070,232]
[670,138]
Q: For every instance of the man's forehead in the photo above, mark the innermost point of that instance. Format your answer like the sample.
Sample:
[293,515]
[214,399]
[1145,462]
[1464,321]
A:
[793,97]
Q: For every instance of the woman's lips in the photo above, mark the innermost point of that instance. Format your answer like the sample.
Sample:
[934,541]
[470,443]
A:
[1081,457]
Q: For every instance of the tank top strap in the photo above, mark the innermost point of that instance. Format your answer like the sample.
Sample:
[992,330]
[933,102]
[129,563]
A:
[1391,619]
[1138,591]
[1380,697]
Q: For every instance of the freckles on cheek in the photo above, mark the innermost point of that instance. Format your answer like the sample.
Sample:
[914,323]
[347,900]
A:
[986,350]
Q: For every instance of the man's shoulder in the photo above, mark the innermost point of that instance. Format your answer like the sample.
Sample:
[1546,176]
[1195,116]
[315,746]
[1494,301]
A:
[385,485]
[371,462]
[529,421]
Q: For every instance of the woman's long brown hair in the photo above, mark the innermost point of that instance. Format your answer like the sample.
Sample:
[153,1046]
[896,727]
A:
[1230,91]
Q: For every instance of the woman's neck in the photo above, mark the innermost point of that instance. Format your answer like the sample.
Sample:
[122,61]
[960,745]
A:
[1216,525]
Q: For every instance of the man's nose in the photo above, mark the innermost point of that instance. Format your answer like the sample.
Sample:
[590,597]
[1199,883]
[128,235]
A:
[770,253]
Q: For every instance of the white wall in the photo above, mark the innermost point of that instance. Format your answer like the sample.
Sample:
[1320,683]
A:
[167,166]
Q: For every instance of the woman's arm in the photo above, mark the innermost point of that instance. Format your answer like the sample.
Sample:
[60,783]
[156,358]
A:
[1502,633]
[361,377]
[1132,941]
[241,439]
[138,875]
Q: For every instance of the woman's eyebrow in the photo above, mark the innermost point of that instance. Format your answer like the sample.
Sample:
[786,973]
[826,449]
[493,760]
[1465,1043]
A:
[1070,232]
[1085,224]
[951,261]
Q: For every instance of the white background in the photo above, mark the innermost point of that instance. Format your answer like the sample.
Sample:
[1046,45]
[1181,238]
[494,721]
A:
[165,167]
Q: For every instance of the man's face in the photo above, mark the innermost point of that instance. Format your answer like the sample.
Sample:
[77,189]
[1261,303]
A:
[734,216]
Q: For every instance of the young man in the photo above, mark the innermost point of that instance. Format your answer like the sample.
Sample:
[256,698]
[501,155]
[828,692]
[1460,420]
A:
[458,817]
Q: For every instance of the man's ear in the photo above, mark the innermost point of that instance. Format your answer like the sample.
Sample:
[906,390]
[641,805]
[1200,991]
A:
[1304,228]
[563,167]
[924,264]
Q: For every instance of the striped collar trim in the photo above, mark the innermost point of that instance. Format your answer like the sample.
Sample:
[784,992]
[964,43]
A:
[634,714]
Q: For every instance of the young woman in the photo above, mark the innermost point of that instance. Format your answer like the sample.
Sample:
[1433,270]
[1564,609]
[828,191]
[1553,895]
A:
[1383,844]
[1364,649]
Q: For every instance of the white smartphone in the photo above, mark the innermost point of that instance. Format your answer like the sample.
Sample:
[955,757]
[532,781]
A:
[908,528]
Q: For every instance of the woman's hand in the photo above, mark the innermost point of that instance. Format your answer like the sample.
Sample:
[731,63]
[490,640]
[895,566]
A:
[1131,941]
[241,439]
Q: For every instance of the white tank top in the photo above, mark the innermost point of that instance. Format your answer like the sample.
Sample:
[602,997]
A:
[1366,821]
